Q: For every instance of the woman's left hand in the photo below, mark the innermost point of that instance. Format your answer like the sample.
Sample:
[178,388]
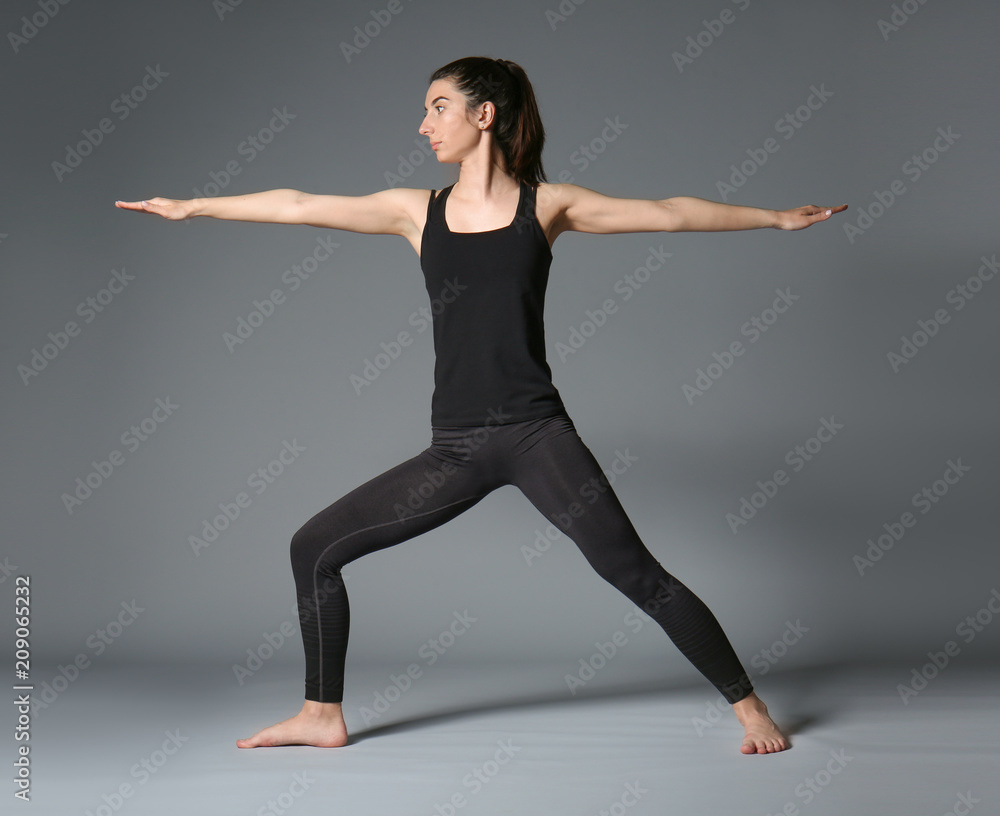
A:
[802,217]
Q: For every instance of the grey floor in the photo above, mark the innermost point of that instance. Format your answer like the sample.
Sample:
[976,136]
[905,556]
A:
[509,738]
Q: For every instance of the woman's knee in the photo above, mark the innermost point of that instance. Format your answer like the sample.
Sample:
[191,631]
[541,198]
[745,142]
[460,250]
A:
[636,574]
[308,546]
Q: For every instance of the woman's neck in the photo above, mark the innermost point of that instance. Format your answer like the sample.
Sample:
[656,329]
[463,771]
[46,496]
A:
[483,180]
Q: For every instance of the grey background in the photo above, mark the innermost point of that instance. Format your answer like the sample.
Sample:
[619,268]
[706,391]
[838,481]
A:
[825,357]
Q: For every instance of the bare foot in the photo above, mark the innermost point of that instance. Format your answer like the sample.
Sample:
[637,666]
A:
[318,724]
[762,734]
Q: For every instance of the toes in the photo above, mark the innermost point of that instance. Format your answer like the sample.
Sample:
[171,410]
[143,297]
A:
[764,745]
[754,745]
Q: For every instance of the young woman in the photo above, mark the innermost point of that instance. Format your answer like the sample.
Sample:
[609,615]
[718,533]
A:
[485,249]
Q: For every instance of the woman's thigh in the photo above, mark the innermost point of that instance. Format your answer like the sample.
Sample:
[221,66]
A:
[561,477]
[407,500]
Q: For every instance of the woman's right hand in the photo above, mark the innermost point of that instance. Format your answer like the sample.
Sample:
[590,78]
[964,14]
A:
[169,208]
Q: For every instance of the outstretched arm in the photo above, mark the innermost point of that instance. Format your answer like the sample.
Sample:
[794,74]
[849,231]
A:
[700,215]
[386,212]
[585,210]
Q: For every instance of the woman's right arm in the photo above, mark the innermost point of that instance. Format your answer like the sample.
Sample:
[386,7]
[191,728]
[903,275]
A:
[388,212]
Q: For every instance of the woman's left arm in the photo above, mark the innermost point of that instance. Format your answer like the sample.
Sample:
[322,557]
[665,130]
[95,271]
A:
[584,210]
[699,215]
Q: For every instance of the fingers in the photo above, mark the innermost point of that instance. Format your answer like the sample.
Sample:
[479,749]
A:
[823,210]
[826,213]
[802,217]
[131,205]
[812,209]
[156,206]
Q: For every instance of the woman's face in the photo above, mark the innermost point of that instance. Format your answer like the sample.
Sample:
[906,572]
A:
[453,131]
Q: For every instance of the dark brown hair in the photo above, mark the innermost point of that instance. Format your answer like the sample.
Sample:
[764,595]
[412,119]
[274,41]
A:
[517,127]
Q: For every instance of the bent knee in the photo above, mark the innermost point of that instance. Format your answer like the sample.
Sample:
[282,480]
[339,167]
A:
[637,575]
[309,546]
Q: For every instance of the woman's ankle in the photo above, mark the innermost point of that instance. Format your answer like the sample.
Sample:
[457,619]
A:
[749,703]
[314,708]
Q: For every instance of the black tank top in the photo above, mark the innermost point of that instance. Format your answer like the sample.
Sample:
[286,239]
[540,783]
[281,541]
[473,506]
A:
[487,292]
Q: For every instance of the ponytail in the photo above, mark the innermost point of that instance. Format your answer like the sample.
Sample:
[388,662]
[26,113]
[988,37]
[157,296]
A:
[517,127]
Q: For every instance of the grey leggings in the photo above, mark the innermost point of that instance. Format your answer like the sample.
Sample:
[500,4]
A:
[549,463]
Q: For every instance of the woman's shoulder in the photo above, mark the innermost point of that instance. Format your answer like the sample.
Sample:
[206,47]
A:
[551,199]
[562,190]
[560,195]
[412,200]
